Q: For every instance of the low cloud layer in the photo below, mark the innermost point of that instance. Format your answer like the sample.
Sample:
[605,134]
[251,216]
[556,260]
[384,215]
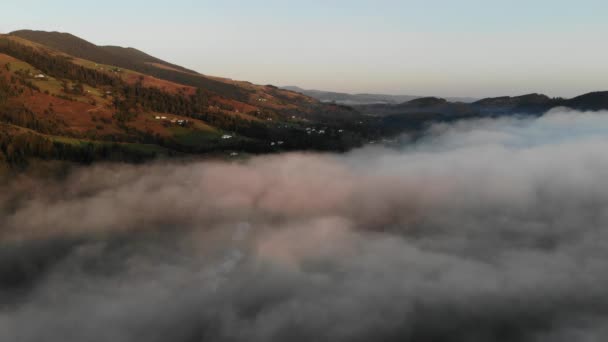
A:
[487,230]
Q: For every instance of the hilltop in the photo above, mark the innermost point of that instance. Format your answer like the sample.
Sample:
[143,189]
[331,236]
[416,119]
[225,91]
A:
[128,58]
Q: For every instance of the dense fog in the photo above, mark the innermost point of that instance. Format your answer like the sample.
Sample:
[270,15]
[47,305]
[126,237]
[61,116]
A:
[485,230]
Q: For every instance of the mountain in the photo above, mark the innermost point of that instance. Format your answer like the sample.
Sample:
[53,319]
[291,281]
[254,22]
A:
[424,102]
[504,105]
[539,103]
[132,59]
[363,99]
[514,100]
[64,98]
[530,103]
[591,101]
[417,114]
[128,58]
[427,105]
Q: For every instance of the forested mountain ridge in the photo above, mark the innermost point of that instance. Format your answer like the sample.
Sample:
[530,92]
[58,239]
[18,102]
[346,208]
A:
[85,110]
[418,114]
[138,61]
[529,104]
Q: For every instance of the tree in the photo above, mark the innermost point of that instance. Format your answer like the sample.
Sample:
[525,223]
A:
[78,89]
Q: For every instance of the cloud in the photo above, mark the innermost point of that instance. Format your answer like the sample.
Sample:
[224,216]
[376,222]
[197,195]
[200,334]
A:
[486,230]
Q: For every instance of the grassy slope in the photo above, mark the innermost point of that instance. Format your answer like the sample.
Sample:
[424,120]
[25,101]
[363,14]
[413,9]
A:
[82,116]
[114,55]
[128,58]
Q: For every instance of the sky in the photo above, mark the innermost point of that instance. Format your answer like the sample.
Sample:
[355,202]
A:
[471,48]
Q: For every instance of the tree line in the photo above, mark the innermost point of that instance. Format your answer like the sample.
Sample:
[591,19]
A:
[16,149]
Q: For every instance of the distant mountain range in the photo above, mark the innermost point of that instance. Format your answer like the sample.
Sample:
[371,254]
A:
[530,104]
[363,99]
[417,114]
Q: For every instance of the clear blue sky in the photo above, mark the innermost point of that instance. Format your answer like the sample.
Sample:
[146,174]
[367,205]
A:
[440,47]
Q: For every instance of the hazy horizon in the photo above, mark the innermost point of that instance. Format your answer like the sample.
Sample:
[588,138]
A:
[469,49]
